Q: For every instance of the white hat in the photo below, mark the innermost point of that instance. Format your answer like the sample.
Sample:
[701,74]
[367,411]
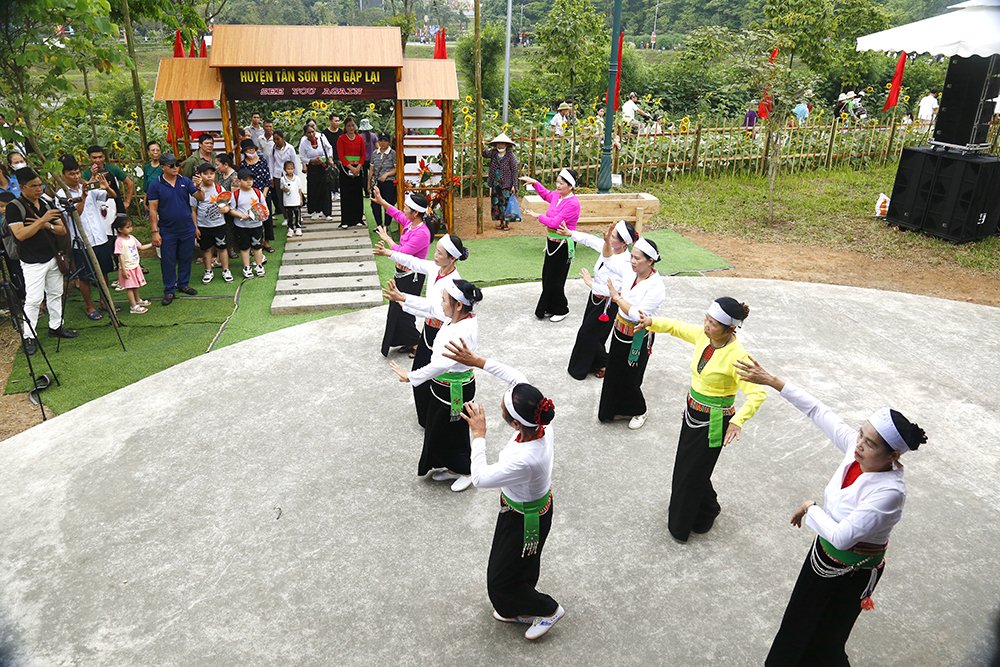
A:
[851,94]
[502,138]
[365,125]
[841,97]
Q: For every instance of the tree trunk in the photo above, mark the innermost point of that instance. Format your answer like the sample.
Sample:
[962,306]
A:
[90,104]
[136,89]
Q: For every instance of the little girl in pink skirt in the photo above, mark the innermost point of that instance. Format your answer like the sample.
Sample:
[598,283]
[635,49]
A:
[130,276]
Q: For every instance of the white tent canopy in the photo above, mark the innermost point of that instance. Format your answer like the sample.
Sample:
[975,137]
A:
[972,30]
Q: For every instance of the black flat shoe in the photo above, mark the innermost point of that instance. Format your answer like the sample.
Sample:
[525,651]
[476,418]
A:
[190,291]
[30,346]
[62,332]
[167,299]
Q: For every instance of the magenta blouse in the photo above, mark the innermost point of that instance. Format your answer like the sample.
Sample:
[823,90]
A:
[412,241]
[560,210]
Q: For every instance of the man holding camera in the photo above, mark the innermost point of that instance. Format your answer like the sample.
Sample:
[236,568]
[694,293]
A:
[35,226]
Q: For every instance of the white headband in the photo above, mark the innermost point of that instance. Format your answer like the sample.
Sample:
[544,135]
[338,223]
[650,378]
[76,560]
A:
[508,400]
[456,293]
[449,245]
[622,230]
[408,200]
[646,248]
[568,177]
[882,421]
[716,312]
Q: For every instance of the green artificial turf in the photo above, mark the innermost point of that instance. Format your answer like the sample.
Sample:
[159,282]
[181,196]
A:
[94,364]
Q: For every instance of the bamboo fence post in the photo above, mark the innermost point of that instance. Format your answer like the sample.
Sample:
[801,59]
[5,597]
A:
[892,138]
[697,148]
[829,147]
[534,142]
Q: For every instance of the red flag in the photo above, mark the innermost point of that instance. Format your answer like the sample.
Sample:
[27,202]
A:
[764,108]
[203,52]
[194,50]
[897,83]
[178,45]
[174,108]
[440,53]
[618,74]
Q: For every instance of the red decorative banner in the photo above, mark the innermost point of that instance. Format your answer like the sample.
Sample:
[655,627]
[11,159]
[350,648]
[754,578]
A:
[309,83]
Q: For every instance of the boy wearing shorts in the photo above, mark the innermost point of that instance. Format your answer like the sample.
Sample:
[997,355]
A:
[210,224]
[247,207]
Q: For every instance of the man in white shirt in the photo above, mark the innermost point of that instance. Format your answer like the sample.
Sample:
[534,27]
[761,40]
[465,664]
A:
[629,111]
[928,108]
[281,152]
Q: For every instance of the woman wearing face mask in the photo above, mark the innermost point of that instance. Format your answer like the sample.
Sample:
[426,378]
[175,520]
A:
[861,504]
[614,262]
[451,384]
[502,177]
[262,181]
[8,182]
[316,153]
[711,420]
[564,209]
[523,473]
[414,240]
[641,294]
[448,251]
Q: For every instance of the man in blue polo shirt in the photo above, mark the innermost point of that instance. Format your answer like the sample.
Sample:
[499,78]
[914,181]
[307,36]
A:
[172,225]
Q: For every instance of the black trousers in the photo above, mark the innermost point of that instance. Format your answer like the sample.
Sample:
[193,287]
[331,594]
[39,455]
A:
[400,326]
[318,200]
[447,443]
[590,351]
[693,501]
[819,618]
[388,190]
[276,196]
[621,393]
[293,216]
[351,200]
[511,579]
[554,271]
[421,394]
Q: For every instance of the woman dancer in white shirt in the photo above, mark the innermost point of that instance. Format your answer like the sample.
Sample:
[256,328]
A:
[523,473]
[862,502]
[590,353]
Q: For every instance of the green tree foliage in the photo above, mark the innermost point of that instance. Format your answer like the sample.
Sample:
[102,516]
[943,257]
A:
[492,54]
[575,41]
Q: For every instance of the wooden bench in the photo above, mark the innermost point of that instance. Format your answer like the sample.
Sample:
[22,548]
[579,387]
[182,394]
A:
[600,210]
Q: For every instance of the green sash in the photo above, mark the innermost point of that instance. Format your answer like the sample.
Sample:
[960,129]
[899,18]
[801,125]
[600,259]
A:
[570,243]
[716,403]
[353,158]
[455,382]
[638,339]
[847,557]
[531,512]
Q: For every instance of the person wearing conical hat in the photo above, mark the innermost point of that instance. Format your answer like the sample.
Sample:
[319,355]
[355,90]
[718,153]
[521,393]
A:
[502,174]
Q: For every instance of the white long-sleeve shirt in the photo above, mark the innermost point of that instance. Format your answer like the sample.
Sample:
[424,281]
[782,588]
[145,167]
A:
[322,149]
[428,307]
[867,510]
[523,470]
[644,296]
[468,330]
[614,267]
[94,224]
[277,158]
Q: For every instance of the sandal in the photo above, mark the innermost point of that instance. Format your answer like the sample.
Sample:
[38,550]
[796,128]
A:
[137,309]
[411,352]
[94,315]
[600,372]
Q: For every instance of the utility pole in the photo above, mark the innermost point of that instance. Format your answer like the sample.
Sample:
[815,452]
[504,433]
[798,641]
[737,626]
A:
[604,172]
[136,90]
[478,39]
[506,64]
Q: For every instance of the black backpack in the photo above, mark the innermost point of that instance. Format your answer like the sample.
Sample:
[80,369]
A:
[9,242]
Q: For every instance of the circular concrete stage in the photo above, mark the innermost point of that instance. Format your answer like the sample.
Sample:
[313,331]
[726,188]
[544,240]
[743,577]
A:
[259,504]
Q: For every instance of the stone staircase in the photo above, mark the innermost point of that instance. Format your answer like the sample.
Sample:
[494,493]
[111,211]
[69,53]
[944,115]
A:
[327,268]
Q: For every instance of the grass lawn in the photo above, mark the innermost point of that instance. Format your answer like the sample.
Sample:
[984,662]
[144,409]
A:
[833,209]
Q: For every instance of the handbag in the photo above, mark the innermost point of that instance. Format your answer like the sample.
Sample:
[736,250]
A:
[513,212]
[329,169]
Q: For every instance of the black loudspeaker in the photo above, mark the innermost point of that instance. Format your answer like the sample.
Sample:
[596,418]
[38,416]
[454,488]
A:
[945,194]
[963,119]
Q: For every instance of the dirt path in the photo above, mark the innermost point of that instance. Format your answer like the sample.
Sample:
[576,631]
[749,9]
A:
[16,411]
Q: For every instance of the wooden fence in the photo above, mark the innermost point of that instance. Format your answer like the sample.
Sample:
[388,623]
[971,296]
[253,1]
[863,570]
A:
[716,149]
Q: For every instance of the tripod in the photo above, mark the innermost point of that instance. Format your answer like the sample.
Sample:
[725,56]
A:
[17,316]
[91,265]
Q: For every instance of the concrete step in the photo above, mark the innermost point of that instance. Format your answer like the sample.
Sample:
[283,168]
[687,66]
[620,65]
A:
[330,270]
[285,304]
[313,234]
[320,226]
[360,283]
[349,255]
[303,244]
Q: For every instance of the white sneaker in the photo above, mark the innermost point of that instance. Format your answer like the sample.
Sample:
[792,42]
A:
[207,278]
[227,275]
[247,272]
[527,620]
[462,483]
[444,475]
[557,318]
[543,624]
[298,232]
[636,422]
[258,269]
[284,223]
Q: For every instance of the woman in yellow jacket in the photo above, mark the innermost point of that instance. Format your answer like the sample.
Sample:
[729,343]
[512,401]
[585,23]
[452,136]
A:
[711,420]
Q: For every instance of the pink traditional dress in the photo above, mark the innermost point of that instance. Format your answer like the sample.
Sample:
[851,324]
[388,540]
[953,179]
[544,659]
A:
[559,251]
[400,326]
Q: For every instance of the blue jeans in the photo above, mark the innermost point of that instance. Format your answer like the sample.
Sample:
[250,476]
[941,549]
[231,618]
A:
[176,255]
